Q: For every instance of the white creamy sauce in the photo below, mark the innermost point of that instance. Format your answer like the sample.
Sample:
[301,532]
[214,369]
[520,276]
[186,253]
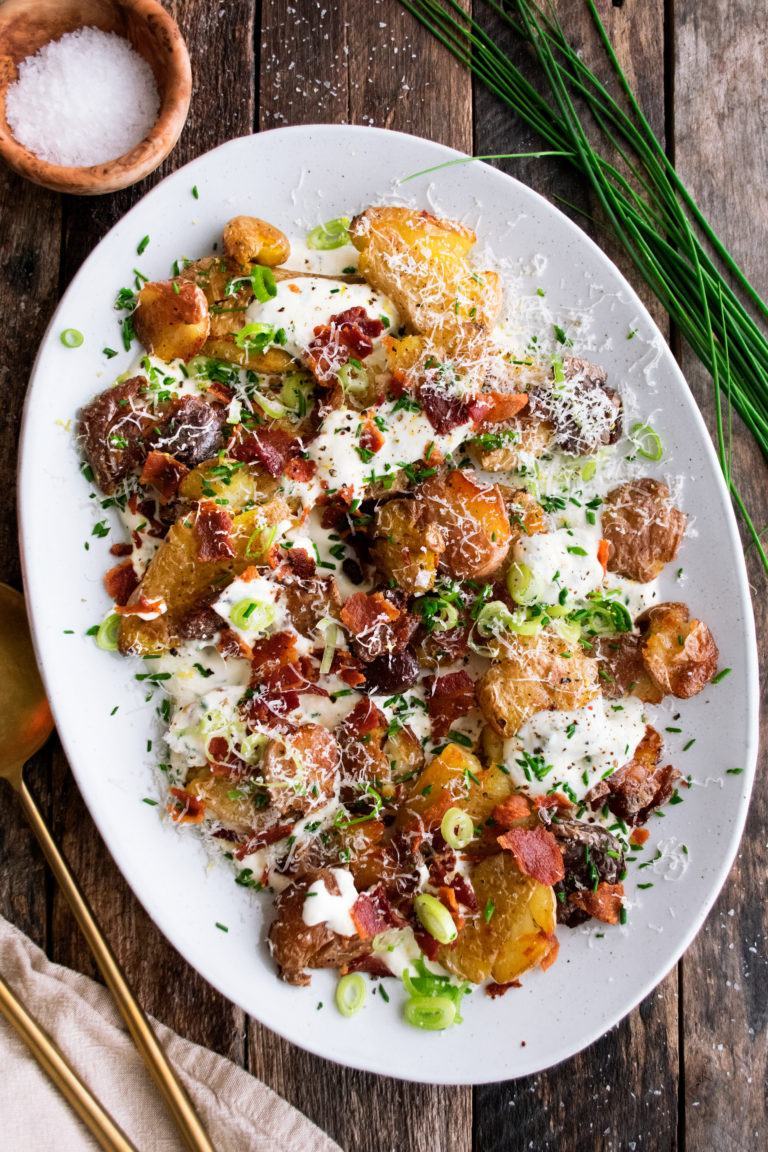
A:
[576,747]
[192,726]
[303,304]
[634,596]
[320,907]
[329,262]
[407,436]
[563,559]
[268,615]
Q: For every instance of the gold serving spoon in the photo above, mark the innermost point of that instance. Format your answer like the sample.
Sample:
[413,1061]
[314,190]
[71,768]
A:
[25,725]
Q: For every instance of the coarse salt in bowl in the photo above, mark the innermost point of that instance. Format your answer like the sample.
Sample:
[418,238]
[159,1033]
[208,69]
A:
[93,93]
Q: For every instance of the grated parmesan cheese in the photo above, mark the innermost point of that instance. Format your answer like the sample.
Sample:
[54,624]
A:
[84,99]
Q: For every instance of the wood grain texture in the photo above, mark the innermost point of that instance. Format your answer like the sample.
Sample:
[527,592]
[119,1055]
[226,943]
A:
[361,64]
[624,1087]
[721,97]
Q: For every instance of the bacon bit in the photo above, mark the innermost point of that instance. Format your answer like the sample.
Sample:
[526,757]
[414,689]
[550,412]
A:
[552,955]
[372,913]
[602,556]
[554,800]
[300,470]
[291,562]
[262,839]
[364,718]
[362,612]
[220,392]
[536,853]
[514,808]
[447,897]
[121,550]
[212,530]
[230,644]
[222,760]
[493,407]
[371,439]
[604,904]
[142,607]
[465,893]
[448,698]
[349,335]
[347,667]
[372,964]
[272,447]
[164,472]
[445,411]
[121,581]
[147,509]
[276,666]
[495,990]
[428,944]
[187,809]
[639,837]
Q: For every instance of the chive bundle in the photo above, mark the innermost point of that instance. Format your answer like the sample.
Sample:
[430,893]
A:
[645,204]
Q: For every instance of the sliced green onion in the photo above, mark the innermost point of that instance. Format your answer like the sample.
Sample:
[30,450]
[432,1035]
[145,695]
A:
[108,632]
[354,379]
[350,994]
[445,616]
[457,828]
[523,585]
[272,407]
[332,234]
[571,633]
[433,1013]
[331,633]
[263,283]
[435,918]
[296,393]
[252,615]
[71,338]
[589,469]
[255,337]
[647,442]
[496,616]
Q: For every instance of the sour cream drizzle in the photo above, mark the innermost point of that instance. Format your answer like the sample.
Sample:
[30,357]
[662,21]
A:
[320,907]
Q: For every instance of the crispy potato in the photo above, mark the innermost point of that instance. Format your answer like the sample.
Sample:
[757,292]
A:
[212,274]
[226,801]
[249,240]
[274,360]
[620,658]
[639,787]
[175,575]
[171,319]
[295,945]
[406,546]
[504,447]
[447,782]
[301,769]
[518,935]
[584,411]
[223,479]
[473,522]
[679,653]
[534,676]
[643,528]
[420,263]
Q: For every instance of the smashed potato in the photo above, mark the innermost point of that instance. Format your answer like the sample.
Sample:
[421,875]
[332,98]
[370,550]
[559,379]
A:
[406,546]
[533,676]
[171,319]
[229,480]
[679,653]
[473,522]
[518,935]
[643,528]
[249,240]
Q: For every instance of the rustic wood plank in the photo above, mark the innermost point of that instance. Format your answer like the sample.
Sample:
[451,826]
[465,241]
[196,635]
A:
[29,264]
[624,1087]
[363,64]
[220,39]
[720,151]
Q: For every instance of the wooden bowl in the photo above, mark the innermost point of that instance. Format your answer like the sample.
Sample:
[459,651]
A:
[26,25]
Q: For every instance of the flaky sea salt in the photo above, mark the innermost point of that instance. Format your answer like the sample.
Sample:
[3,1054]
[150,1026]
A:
[82,100]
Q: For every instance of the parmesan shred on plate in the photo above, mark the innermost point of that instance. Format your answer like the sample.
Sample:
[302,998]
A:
[84,99]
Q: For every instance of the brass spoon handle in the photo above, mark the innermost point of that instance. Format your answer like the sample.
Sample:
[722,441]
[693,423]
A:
[174,1094]
[100,1123]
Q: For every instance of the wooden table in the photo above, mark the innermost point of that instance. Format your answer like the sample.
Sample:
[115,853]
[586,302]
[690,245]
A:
[686,1070]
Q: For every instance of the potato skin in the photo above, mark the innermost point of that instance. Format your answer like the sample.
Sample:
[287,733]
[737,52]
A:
[643,528]
[533,677]
[249,240]
[620,658]
[406,546]
[171,319]
[473,522]
[295,945]
[679,669]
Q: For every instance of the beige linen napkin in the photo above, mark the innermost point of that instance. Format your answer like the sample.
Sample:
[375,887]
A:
[240,1113]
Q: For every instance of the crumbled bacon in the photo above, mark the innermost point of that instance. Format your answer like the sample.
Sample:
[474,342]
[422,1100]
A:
[371,438]
[271,447]
[449,697]
[495,990]
[291,562]
[120,549]
[604,904]
[263,838]
[514,808]
[364,718]
[554,800]
[536,852]
[185,808]
[639,837]
[213,532]
[372,913]
[348,336]
[300,469]
[444,409]
[347,667]
[219,391]
[493,407]
[372,964]
[377,625]
[428,944]
[231,644]
[142,607]
[223,760]
[362,612]
[164,473]
[121,581]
